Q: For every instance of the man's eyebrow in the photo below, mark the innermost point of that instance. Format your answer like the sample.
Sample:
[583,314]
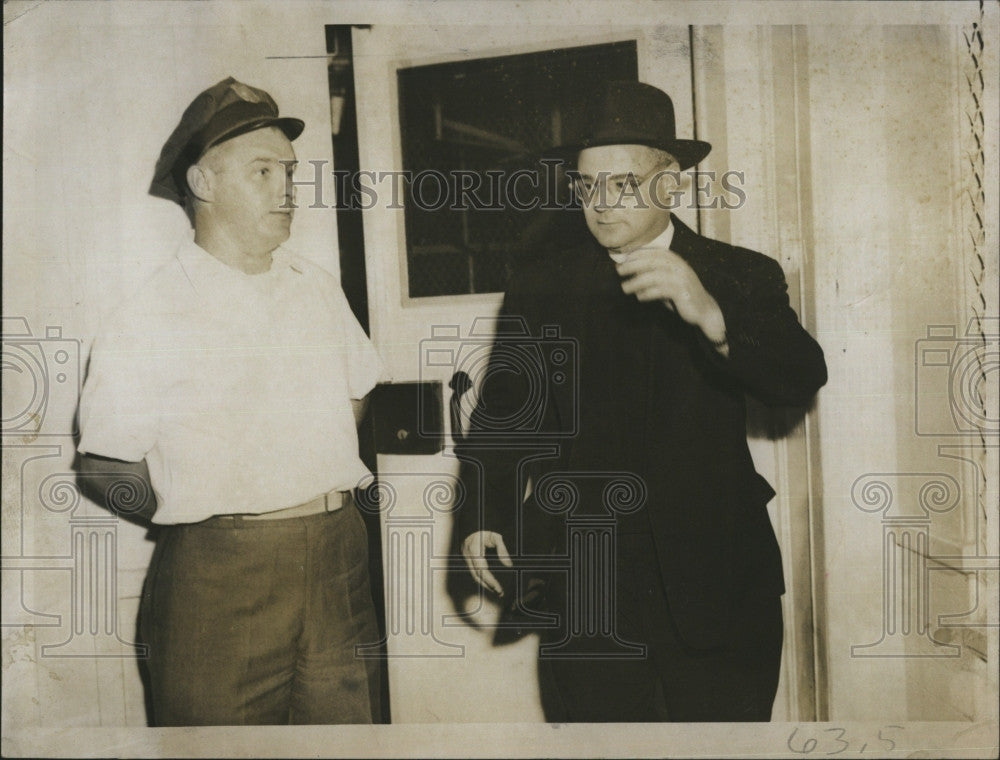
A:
[618,175]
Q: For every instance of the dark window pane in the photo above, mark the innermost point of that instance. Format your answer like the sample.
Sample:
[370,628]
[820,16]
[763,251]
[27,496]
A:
[482,125]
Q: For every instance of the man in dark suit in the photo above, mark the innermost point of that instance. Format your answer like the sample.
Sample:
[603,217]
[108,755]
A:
[673,612]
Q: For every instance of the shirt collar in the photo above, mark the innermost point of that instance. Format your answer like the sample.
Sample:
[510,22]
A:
[204,271]
[661,241]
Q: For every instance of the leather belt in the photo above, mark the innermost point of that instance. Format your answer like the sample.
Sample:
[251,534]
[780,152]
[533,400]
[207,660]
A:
[328,502]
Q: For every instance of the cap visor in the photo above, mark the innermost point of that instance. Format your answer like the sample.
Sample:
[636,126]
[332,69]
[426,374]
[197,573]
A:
[291,127]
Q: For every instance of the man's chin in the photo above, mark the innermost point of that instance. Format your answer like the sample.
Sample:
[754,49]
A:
[609,234]
[282,227]
[275,240]
[611,241]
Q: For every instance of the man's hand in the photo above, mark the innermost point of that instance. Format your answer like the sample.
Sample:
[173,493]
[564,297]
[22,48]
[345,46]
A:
[474,550]
[359,406]
[662,275]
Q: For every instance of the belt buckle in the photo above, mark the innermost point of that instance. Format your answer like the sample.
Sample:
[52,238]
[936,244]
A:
[326,501]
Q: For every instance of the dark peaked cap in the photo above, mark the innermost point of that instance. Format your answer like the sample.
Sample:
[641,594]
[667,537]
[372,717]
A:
[634,113]
[225,110]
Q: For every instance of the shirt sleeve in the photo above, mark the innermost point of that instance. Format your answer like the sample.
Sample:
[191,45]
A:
[364,366]
[118,414]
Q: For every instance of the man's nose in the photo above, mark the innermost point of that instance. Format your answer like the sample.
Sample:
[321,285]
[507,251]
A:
[602,201]
[289,193]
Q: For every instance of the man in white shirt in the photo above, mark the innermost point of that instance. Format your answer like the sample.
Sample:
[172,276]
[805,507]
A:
[230,385]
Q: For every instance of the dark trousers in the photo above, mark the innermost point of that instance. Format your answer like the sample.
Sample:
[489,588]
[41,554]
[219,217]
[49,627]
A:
[673,680]
[256,622]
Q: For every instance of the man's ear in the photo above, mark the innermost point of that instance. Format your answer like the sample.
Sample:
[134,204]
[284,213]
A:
[200,180]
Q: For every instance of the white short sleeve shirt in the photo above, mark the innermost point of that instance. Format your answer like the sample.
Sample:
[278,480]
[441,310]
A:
[236,389]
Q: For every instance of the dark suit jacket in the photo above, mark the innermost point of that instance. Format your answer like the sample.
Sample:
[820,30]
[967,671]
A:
[706,502]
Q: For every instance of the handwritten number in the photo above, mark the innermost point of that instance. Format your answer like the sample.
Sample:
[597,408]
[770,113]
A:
[807,747]
[892,744]
[840,739]
[809,744]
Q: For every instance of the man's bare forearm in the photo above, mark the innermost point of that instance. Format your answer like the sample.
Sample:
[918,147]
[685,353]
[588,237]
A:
[121,487]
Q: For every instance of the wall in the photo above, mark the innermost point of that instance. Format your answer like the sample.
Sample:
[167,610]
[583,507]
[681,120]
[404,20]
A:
[859,155]
[889,179]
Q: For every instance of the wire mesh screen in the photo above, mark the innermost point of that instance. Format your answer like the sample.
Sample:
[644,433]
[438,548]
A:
[473,136]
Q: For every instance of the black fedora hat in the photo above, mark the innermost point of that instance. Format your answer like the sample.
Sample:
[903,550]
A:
[635,113]
[225,110]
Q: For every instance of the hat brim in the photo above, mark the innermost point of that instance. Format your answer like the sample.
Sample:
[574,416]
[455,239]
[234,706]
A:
[291,127]
[687,152]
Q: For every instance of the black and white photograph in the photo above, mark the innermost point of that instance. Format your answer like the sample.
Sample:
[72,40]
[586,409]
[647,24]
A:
[468,378]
